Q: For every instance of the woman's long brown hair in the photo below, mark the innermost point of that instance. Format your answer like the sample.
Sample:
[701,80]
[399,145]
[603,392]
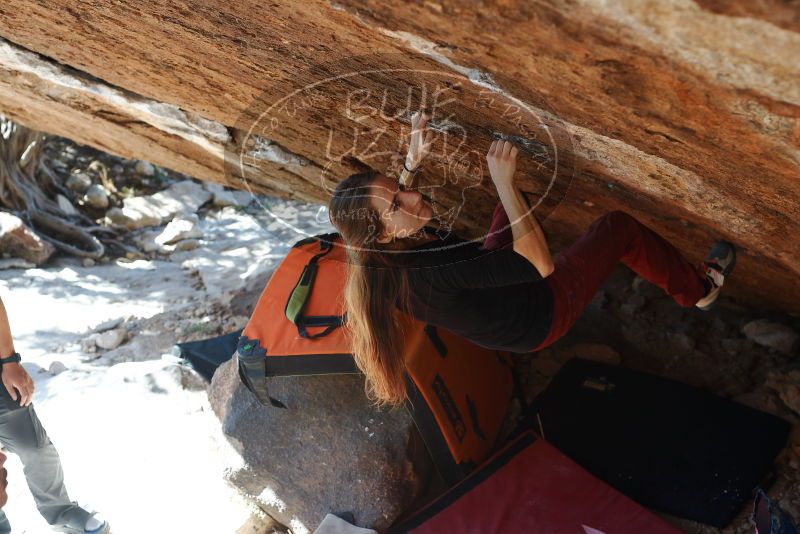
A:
[376,291]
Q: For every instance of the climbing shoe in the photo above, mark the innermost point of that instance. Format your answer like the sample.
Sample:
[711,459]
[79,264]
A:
[716,268]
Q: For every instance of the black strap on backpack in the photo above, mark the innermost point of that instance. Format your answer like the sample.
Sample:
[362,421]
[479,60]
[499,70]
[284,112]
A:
[298,299]
[252,365]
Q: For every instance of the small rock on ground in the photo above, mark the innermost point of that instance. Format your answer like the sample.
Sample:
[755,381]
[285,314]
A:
[56,368]
[79,182]
[144,168]
[224,198]
[180,228]
[89,344]
[108,325]
[20,241]
[111,339]
[96,197]
[772,335]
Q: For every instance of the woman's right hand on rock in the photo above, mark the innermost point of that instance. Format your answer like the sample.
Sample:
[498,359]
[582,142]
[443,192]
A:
[502,160]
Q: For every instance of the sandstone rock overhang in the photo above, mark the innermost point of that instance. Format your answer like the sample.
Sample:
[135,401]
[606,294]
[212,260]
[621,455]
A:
[686,114]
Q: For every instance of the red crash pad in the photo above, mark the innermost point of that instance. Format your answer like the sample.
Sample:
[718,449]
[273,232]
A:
[530,487]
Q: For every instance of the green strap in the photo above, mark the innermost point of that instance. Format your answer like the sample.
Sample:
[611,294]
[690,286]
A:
[298,299]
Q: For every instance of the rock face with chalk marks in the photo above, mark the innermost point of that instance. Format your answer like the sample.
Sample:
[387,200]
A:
[685,114]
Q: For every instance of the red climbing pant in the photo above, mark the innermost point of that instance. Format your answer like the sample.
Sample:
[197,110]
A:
[581,269]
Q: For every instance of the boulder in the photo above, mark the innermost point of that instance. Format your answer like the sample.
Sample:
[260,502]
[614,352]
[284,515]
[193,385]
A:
[232,198]
[144,168]
[135,213]
[18,240]
[79,182]
[330,450]
[111,339]
[89,343]
[96,197]
[224,198]
[663,104]
[187,194]
[108,325]
[772,335]
[178,229]
[56,368]
[138,212]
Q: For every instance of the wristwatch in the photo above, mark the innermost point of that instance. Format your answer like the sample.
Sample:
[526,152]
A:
[14,358]
[412,171]
[405,173]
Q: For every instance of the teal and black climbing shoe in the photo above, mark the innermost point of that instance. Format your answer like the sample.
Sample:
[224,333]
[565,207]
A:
[718,265]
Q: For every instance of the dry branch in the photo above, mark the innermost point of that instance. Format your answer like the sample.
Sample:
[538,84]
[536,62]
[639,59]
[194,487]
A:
[28,186]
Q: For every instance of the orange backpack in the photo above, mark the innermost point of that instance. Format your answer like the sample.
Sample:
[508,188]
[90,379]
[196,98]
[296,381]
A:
[458,392]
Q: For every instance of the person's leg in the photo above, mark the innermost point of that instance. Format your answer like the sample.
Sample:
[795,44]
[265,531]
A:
[581,269]
[6,405]
[5,526]
[500,235]
[22,433]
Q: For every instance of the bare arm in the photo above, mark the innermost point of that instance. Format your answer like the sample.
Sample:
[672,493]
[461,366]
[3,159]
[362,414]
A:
[529,239]
[14,377]
[6,341]
[419,147]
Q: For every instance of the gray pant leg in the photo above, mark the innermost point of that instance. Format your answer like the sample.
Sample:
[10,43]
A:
[22,433]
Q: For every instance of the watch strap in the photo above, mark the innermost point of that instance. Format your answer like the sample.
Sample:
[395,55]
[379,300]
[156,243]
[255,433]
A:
[412,171]
[14,358]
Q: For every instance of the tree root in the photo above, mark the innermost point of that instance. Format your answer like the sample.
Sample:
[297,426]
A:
[28,186]
[71,238]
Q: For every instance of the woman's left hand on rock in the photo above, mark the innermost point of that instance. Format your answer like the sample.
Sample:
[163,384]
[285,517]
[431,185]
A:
[421,140]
